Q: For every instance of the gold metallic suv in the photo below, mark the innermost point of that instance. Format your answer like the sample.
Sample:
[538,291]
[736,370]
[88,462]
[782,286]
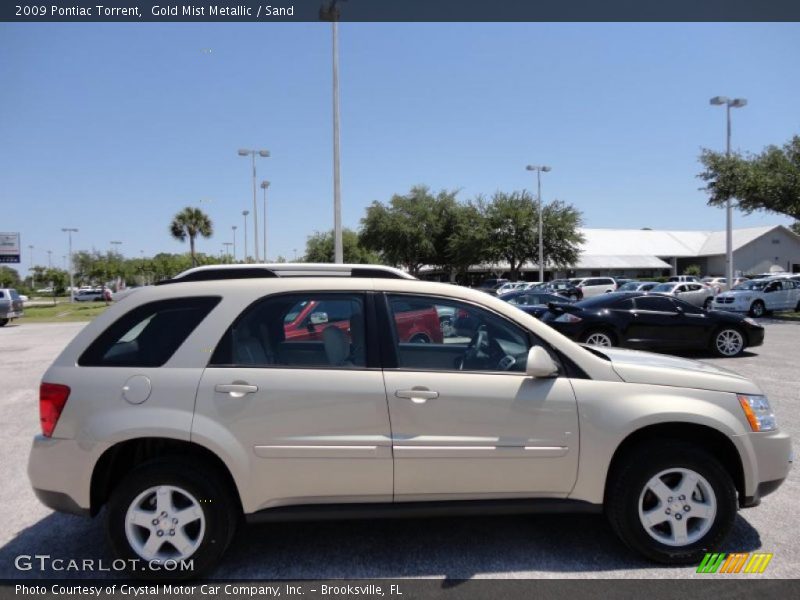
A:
[192,403]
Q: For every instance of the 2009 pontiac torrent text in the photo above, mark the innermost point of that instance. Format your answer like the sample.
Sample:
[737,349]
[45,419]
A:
[193,402]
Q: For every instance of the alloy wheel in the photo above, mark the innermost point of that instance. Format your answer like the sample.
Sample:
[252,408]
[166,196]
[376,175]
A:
[599,339]
[677,507]
[729,342]
[165,522]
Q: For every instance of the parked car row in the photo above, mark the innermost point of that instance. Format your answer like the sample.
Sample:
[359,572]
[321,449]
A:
[10,305]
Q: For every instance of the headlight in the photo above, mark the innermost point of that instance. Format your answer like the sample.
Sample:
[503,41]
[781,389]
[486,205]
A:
[758,412]
[568,318]
[753,322]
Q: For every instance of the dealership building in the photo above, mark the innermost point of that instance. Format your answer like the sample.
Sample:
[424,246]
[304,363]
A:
[646,253]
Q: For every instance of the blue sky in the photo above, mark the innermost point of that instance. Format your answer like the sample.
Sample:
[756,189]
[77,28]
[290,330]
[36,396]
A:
[114,128]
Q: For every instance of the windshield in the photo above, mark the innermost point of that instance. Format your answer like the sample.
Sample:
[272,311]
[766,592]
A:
[631,286]
[664,287]
[751,285]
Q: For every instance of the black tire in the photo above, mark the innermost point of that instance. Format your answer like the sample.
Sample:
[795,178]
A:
[3,322]
[627,483]
[220,511]
[729,331]
[757,309]
[420,338]
[573,297]
[707,303]
[588,335]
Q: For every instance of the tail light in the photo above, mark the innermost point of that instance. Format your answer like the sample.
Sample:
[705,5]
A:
[52,399]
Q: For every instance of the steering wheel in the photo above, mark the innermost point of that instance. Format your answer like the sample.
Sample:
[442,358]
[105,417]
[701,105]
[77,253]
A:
[482,348]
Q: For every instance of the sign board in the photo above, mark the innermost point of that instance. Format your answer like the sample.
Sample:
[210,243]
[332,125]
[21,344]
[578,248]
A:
[9,248]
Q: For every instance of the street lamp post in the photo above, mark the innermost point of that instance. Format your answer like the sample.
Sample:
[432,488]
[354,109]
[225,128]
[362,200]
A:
[539,170]
[33,281]
[244,214]
[253,153]
[233,227]
[227,248]
[331,13]
[49,259]
[728,103]
[264,186]
[70,231]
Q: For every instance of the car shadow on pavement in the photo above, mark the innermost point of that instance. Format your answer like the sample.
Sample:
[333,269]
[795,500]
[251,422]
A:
[450,548]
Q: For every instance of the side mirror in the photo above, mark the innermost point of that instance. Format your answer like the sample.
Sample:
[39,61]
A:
[318,318]
[540,364]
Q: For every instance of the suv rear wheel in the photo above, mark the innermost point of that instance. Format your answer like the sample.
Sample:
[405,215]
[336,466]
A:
[166,511]
[671,501]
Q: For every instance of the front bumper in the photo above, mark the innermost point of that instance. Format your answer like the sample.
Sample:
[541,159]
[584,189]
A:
[60,472]
[755,336]
[770,457]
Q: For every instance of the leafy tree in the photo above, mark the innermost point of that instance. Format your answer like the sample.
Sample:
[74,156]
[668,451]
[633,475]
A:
[512,225]
[692,270]
[9,277]
[767,181]
[191,222]
[796,227]
[319,249]
[468,243]
[412,230]
[562,238]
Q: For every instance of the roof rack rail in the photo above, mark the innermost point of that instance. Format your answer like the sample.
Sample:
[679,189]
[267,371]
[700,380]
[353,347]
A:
[220,272]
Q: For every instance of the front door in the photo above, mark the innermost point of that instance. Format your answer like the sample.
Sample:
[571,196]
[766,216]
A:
[467,422]
[309,416]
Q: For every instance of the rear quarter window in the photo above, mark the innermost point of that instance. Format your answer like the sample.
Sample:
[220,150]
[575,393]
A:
[148,335]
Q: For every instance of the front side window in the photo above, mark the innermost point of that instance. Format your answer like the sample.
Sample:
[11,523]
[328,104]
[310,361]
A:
[655,303]
[148,335]
[307,330]
[476,339]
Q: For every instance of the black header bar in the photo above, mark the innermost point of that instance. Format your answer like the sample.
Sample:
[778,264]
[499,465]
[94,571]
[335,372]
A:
[197,11]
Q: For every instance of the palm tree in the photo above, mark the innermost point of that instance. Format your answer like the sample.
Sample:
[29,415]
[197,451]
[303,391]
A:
[191,222]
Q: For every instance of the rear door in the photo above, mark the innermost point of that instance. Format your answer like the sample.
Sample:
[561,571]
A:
[308,415]
[466,421]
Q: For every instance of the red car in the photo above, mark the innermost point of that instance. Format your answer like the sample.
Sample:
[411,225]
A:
[307,321]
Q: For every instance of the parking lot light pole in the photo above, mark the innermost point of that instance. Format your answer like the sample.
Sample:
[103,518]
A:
[264,186]
[69,231]
[49,259]
[233,227]
[227,248]
[728,103]
[244,214]
[539,169]
[253,153]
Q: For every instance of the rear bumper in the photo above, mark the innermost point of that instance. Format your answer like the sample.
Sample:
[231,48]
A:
[60,472]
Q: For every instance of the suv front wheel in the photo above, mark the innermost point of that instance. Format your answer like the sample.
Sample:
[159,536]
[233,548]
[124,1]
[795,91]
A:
[671,501]
[166,514]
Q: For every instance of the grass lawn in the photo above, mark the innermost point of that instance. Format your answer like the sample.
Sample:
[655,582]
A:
[787,316]
[63,313]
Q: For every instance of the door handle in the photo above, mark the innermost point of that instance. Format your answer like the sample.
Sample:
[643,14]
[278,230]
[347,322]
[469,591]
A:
[236,390]
[418,395]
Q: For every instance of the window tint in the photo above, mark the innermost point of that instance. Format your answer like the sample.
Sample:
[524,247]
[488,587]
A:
[148,335]
[655,303]
[470,339]
[625,304]
[2,294]
[310,330]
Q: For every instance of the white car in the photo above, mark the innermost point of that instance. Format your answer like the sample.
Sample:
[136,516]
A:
[512,286]
[692,292]
[760,296]
[88,295]
[720,284]
[592,286]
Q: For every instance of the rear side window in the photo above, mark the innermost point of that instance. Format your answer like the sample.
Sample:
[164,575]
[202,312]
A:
[148,335]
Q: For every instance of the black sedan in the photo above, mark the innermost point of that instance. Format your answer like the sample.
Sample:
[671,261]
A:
[533,302]
[653,321]
[565,288]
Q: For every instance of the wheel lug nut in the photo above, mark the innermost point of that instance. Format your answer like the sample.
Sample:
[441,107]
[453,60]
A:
[668,511]
[164,514]
[155,521]
[159,533]
[172,532]
[174,521]
[681,498]
[670,499]
[678,516]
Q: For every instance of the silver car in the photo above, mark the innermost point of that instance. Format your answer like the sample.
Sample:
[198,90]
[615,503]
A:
[694,293]
[228,392]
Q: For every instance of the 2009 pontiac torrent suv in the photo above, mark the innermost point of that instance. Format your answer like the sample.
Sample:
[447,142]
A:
[189,405]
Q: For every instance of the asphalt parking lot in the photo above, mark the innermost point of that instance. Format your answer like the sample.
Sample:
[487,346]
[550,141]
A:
[453,548]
